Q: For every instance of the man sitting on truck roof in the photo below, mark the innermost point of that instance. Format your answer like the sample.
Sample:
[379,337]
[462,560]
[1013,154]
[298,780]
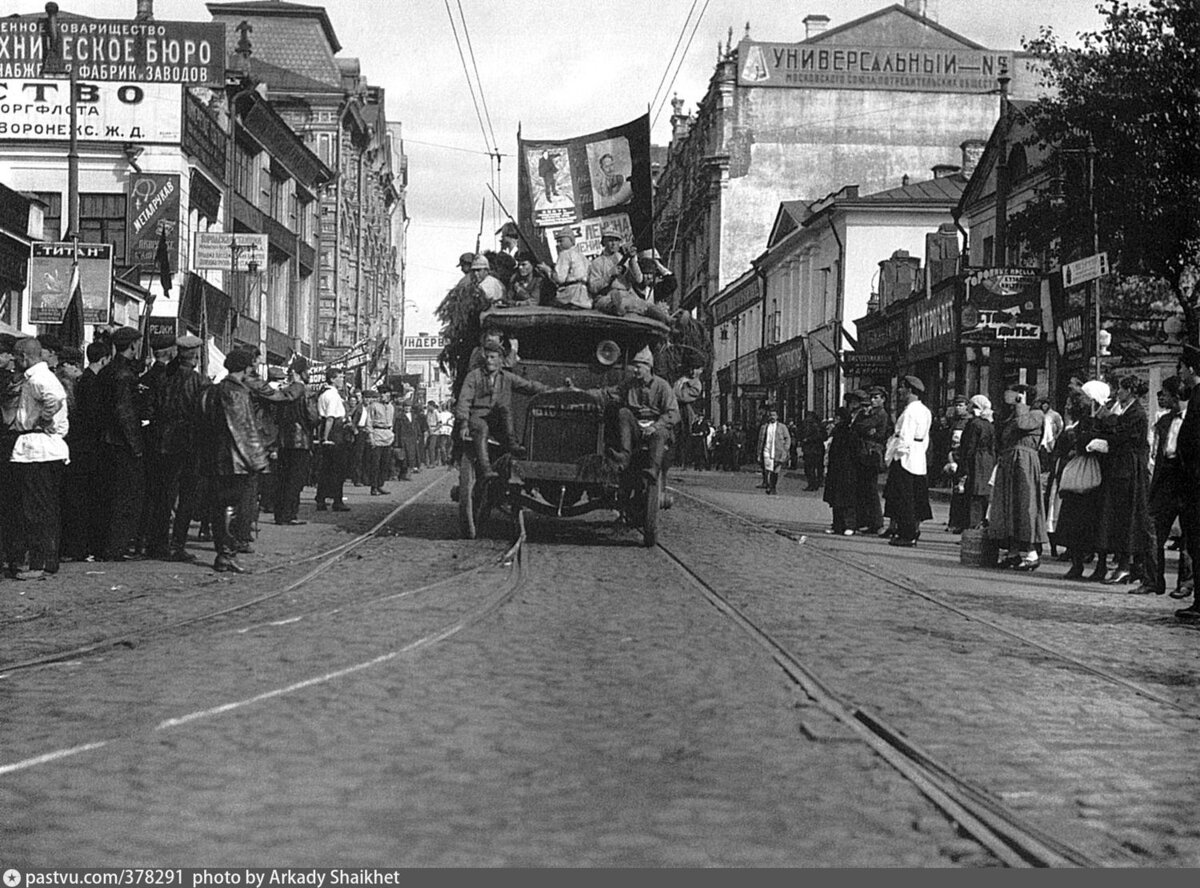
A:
[485,405]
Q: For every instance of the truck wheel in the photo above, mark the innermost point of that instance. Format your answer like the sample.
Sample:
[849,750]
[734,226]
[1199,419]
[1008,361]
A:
[466,496]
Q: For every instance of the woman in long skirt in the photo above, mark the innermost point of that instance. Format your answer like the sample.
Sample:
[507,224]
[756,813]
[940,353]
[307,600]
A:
[1018,516]
[976,459]
[1074,513]
[841,476]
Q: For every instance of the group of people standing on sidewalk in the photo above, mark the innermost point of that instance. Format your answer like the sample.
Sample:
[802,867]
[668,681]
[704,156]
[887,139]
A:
[101,459]
[1105,484]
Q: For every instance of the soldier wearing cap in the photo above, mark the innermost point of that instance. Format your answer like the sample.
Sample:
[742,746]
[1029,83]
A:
[122,449]
[491,291]
[658,283]
[907,488]
[173,484]
[485,405]
[647,413]
[527,286]
[570,272]
[613,273]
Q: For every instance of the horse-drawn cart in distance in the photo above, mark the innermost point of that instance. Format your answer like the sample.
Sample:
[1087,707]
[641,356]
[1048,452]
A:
[566,436]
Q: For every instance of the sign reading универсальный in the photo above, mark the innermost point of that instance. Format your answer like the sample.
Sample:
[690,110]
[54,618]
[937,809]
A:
[128,51]
[847,66]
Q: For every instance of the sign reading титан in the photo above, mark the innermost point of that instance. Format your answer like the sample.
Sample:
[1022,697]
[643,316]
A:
[127,51]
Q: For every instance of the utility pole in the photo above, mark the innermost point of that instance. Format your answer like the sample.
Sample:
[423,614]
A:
[1094,284]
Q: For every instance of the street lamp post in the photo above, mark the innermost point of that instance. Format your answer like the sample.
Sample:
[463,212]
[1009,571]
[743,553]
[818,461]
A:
[1094,284]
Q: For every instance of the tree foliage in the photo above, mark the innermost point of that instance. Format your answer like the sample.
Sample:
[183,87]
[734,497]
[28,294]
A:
[1134,87]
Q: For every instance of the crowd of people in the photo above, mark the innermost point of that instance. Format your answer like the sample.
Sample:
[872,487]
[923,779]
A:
[105,459]
[1104,485]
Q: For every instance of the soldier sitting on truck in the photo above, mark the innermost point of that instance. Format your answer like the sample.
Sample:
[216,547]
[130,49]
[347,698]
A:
[647,412]
[485,405]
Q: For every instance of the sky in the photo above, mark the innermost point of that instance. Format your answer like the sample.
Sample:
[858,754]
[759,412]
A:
[557,69]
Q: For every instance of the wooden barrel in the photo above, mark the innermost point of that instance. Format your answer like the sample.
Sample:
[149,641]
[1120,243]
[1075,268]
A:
[977,550]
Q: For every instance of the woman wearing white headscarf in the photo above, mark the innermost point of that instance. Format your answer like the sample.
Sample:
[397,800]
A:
[977,459]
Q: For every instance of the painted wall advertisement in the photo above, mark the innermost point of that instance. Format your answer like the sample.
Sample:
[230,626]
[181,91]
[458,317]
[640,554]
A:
[105,112]
[1002,307]
[153,206]
[854,66]
[588,182]
[50,273]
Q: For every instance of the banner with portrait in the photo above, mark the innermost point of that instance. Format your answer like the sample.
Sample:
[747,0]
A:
[582,180]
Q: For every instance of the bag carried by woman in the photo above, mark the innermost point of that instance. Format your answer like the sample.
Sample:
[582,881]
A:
[1080,475]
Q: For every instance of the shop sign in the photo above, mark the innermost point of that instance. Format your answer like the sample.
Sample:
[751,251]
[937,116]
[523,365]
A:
[222,251]
[823,348]
[159,326]
[747,369]
[105,112]
[766,366]
[129,51]
[153,207]
[1001,281]
[859,363]
[884,336]
[1086,269]
[931,326]
[1069,336]
[790,359]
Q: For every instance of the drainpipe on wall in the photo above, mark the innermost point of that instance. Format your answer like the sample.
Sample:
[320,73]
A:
[840,290]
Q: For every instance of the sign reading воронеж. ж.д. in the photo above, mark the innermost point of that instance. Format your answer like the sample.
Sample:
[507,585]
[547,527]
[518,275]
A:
[126,51]
[142,113]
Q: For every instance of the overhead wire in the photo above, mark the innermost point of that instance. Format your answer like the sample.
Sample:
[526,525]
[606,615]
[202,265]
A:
[470,85]
[679,66]
[674,50]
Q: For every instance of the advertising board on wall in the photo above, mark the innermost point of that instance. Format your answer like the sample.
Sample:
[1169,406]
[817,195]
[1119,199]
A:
[223,251]
[50,276]
[115,50]
[105,112]
[153,207]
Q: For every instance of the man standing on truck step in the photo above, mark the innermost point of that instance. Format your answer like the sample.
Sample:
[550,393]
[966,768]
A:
[647,412]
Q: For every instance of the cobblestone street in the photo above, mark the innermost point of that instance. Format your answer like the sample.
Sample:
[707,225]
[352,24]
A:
[603,715]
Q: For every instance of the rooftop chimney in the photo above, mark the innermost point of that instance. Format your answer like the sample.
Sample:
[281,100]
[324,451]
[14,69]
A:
[814,25]
[145,11]
[942,170]
[972,150]
[917,6]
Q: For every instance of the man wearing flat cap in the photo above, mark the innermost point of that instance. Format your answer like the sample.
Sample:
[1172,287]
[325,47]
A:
[647,413]
[1187,449]
[233,451]
[871,427]
[485,405]
[85,523]
[150,387]
[296,419]
[907,489]
[570,272]
[122,449]
[176,406]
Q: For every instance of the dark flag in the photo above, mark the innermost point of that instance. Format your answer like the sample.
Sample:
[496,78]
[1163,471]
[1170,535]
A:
[162,258]
[72,324]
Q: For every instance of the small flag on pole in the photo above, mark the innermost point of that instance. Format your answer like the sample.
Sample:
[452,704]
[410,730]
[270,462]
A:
[72,324]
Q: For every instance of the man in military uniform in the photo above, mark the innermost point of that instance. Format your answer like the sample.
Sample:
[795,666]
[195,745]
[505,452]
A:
[122,449]
[570,272]
[647,413]
[485,405]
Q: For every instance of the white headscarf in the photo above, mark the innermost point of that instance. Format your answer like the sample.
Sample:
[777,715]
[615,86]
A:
[1096,390]
[983,405]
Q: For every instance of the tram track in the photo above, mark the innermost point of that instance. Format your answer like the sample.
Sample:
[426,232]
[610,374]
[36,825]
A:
[513,562]
[1007,835]
[324,560]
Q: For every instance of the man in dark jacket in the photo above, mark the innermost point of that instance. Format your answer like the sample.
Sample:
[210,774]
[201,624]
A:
[150,386]
[84,523]
[122,451]
[811,436]
[233,450]
[175,407]
[872,427]
[1188,450]
[295,424]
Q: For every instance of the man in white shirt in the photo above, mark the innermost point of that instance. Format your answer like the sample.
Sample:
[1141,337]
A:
[332,446]
[38,457]
[774,442]
[907,490]
[490,288]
